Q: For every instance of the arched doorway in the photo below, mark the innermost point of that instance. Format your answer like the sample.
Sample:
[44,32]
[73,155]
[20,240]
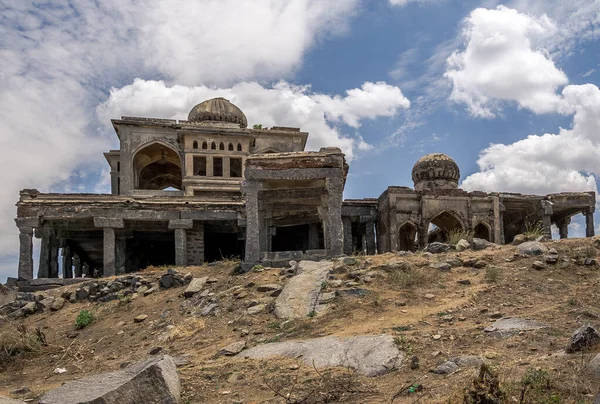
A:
[443,223]
[157,167]
[407,236]
[482,230]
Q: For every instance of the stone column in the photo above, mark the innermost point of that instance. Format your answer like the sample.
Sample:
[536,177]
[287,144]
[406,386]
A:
[226,167]
[180,226]
[26,226]
[393,230]
[253,227]
[53,258]
[498,221]
[589,222]
[563,227]
[121,254]
[370,238]
[67,263]
[422,234]
[546,213]
[335,229]
[313,236]
[347,235]
[77,266]
[110,248]
[44,267]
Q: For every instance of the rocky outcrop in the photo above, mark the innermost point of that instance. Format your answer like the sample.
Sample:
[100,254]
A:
[531,248]
[370,355]
[584,338]
[153,381]
[300,296]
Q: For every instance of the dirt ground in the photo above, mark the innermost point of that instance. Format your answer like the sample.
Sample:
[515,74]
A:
[531,366]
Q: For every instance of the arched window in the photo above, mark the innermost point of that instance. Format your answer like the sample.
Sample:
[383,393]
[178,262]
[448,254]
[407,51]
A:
[195,145]
[407,237]
[482,230]
[204,146]
[221,146]
[239,147]
[213,146]
[230,147]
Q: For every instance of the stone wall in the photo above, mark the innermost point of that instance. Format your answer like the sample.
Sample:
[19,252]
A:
[195,244]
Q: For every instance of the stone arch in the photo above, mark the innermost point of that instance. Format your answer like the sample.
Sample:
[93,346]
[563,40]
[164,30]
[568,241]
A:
[446,221]
[406,237]
[157,166]
[221,146]
[195,145]
[204,146]
[213,146]
[230,147]
[483,230]
[239,147]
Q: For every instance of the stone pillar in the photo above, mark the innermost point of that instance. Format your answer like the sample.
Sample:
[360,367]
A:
[121,254]
[226,167]
[26,226]
[313,236]
[422,234]
[180,226]
[370,238]
[335,229]
[546,213]
[589,222]
[67,263]
[44,267]
[347,235]
[253,227]
[498,221]
[53,258]
[393,230]
[110,248]
[563,227]
[77,266]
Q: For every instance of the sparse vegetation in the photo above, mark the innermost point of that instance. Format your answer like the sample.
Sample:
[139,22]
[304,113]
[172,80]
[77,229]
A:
[533,230]
[492,274]
[403,344]
[15,340]
[84,318]
[258,267]
[407,276]
[454,236]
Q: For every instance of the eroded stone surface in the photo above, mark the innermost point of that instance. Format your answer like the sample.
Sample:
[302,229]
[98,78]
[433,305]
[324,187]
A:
[300,295]
[510,325]
[531,248]
[153,381]
[371,355]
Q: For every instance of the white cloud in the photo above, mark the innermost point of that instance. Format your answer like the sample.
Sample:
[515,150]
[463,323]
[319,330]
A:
[281,104]
[502,61]
[567,161]
[58,59]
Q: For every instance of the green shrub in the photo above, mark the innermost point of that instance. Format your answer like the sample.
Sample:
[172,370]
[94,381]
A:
[533,230]
[84,318]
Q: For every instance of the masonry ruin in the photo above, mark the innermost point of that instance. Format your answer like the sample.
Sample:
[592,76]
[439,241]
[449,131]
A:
[199,190]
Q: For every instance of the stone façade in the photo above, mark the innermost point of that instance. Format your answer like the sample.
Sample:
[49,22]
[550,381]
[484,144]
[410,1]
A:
[190,191]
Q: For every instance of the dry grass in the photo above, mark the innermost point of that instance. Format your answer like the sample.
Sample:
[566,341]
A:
[454,236]
[533,230]
[16,340]
[407,276]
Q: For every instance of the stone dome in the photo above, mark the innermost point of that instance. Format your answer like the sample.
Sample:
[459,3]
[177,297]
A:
[217,110]
[435,171]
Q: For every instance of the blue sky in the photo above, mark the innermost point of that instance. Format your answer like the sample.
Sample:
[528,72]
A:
[509,90]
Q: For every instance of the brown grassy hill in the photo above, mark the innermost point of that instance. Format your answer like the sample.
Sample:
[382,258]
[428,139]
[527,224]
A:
[531,366]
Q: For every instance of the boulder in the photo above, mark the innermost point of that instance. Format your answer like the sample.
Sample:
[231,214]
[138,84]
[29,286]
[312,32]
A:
[519,239]
[57,304]
[531,248]
[442,266]
[301,294]
[153,381]
[30,308]
[195,286]
[481,244]
[233,349]
[446,368]
[437,247]
[539,265]
[585,337]
[370,355]
[462,245]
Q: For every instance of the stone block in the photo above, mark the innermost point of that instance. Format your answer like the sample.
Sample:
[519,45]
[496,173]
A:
[115,223]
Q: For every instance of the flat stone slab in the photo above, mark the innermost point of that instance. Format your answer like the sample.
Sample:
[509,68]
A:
[195,286]
[511,325]
[300,295]
[153,381]
[371,355]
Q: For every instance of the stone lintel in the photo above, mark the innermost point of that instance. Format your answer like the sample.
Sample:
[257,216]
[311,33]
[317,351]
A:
[209,214]
[294,173]
[181,223]
[27,222]
[109,222]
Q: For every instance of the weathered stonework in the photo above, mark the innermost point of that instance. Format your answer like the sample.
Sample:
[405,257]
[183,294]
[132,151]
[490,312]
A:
[207,188]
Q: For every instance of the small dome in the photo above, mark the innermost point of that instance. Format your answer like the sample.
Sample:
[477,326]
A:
[217,110]
[435,171]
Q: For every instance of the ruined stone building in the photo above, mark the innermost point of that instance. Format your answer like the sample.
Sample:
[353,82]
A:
[206,188]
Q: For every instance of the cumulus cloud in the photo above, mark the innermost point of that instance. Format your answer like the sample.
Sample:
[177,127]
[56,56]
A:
[280,104]
[503,61]
[566,161]
[58,60]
